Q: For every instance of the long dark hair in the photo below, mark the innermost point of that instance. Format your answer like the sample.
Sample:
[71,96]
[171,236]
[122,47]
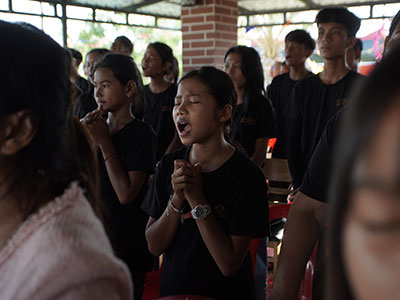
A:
[125,69]
[35,77]
[165,52]
[374,99]
[252,70]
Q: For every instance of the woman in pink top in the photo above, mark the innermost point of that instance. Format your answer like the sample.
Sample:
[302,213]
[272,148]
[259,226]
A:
[52,244]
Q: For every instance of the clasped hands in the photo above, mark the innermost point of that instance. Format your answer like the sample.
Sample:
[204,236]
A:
[187,183]
[96,124]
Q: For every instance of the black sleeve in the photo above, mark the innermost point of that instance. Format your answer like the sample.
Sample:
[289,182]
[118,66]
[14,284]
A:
[250,208]
[141,150]
[317,177]
[296,159]
[160,189]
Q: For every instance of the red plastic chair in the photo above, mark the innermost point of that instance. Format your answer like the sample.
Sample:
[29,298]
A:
[305,292]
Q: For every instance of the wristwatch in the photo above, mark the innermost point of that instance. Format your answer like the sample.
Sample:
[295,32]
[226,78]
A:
[201,211]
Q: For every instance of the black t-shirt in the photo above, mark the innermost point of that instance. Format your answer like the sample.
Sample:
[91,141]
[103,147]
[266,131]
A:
[248,126]
[84,103]
[158,114]
[279,92]
[318,175]
[82,85]
[135,144]
[311,106]
[237,194]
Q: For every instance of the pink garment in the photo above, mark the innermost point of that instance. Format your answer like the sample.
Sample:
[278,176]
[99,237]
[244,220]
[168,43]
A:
[62,252]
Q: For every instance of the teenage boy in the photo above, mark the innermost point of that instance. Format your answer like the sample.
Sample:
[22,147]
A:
[317,98]
[298,47]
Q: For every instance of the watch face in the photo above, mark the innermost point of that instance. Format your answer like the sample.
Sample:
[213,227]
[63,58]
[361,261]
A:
[200,211]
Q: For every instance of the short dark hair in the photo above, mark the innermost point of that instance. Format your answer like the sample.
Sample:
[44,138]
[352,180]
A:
[301,36]
[125,69]
[100,51]
[126,42]
[395,22]
[219,85]
[358,46]
[76,54]
[339,15]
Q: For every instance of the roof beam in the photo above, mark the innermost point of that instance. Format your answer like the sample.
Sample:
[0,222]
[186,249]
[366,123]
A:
[309,3]
[134,7]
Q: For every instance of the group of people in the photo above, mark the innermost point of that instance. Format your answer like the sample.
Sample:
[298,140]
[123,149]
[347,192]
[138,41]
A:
[100,177]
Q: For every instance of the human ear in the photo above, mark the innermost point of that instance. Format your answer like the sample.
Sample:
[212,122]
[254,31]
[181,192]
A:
[308,53]
[351,41]
[130,88]
[226,113]
[19,130]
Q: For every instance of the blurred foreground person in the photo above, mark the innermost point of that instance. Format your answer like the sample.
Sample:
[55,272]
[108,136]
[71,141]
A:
[364,243]
[52,244]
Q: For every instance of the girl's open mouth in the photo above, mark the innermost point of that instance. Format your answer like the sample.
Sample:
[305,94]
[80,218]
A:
[183,127]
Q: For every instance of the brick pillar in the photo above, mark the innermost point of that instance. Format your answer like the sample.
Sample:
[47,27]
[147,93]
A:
[209,29]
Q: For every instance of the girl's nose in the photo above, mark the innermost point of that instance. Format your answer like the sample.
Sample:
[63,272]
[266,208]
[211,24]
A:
[181,108]
[97,92]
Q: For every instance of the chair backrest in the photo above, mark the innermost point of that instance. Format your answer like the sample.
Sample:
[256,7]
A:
[277,169]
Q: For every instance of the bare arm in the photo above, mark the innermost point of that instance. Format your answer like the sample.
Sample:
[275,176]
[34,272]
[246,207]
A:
[304,223]
[227,251]
[126,184]
[160,232]
[260,151]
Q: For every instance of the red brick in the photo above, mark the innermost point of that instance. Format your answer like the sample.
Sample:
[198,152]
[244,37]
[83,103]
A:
[202,61]
[196,19]
[224,44]
[222,10]
[213,18]
[186,45]
[213,35]
[186,61]
[229,20]
[188,53]
[216,52]
[232,4]
[188,68]
[203,44]
[202,27]
[184,11]
[192,36]
[223,27]
[201,10]
[185,28]
[229,36]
